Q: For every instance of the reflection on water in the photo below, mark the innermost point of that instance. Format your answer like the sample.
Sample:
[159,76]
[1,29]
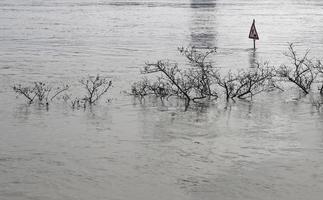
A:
[269,148]
[202,26]
[253,60]
[203,3]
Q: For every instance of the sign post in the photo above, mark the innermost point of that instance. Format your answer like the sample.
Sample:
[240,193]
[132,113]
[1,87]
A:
[253,34]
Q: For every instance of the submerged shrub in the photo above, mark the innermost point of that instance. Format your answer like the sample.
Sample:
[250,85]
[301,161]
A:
[300,72]
[26,91]
[202,70]
[144,87]
[177,79]
[140,88]
[245,83]
[96,87]
[74,102]
[190,84]
[193,82]
[40,91]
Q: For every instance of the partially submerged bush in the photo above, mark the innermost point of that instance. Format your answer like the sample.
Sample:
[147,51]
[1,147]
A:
[301,71]
[179,83]
[40,91]
[317,104]
[74,102]
[96,87]
[144,87]
[140,88]
[190,84]
[245,83]
[27,92]
[201,80]
[193,82]
[203,70]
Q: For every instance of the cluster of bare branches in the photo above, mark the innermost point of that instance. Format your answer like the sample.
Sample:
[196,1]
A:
[191,83]
[203,70]
[39,91]
[301,71]
[246,83]
[74,102]
[95,87]
[144,87]
[202,81]
[197,80]
[141,88]
[317,103]
[173,80]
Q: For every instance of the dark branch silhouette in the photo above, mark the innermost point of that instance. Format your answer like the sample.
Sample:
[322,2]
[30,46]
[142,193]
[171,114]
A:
[95,87]
[301,72]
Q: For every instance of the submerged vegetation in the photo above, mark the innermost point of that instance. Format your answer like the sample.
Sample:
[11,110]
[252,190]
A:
[301,72]
[246,83]
[201,80]
[95,87]
[192,83]
[195,81]
[39,91]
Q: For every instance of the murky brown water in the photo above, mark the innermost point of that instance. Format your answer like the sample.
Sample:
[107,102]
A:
[271,148]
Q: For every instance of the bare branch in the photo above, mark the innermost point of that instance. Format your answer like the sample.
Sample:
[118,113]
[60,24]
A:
[96,87]
[301,72]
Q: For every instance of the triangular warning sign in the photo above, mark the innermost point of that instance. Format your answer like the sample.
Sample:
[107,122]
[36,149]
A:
[253,32]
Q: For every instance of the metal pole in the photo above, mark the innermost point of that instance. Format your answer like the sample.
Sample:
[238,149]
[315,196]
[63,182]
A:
[254,44]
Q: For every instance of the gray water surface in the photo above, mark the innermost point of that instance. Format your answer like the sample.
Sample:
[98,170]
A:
[270,148]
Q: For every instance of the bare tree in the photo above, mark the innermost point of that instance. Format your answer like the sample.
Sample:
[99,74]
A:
[141,88]
[202,69]
[41,90]
[245,83]
[27,92]
[172,76]
[96,87]
[301,72]
[189,83]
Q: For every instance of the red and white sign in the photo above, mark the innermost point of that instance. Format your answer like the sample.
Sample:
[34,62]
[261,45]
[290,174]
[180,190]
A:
[253,32]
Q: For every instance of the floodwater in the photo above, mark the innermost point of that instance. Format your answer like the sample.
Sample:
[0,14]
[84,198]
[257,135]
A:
[270,148]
